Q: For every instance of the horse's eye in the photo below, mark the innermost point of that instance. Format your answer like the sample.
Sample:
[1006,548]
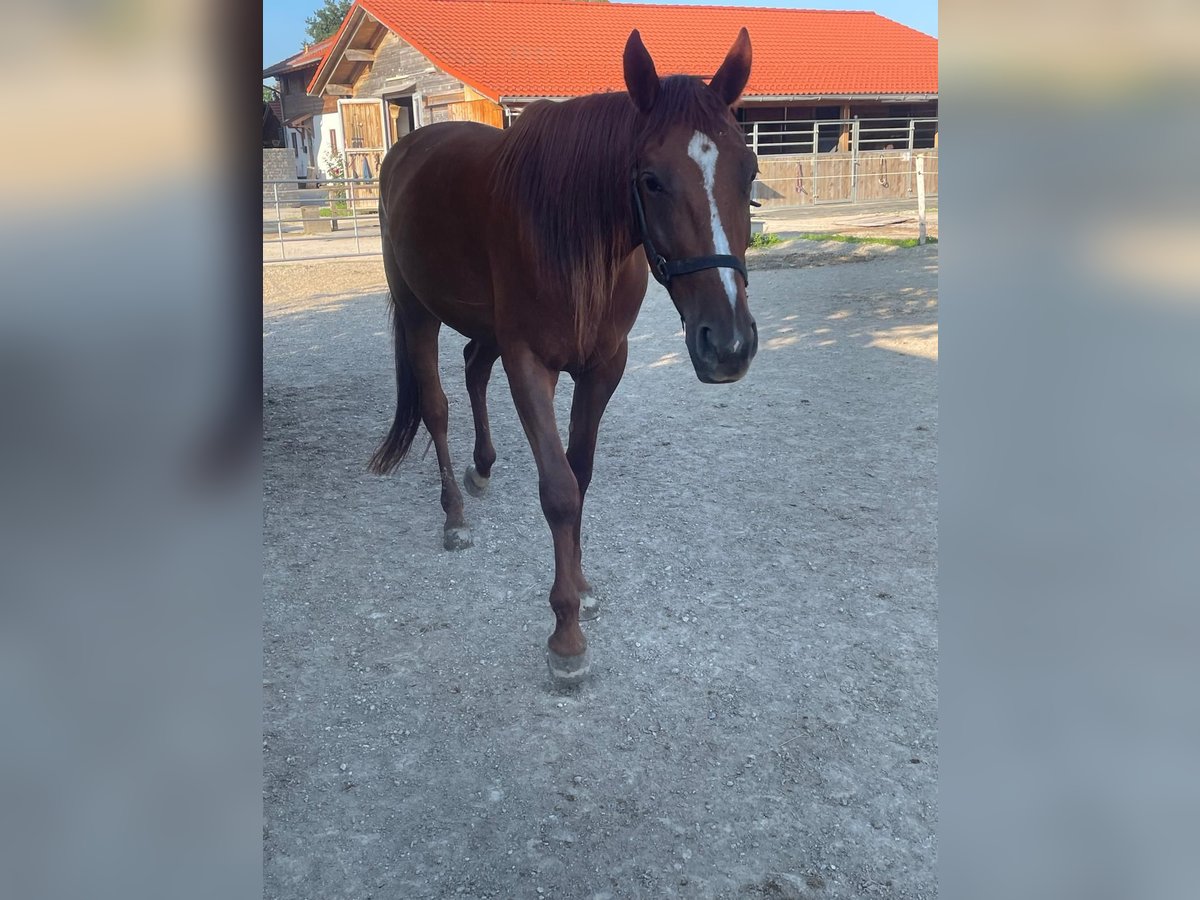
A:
[653,185]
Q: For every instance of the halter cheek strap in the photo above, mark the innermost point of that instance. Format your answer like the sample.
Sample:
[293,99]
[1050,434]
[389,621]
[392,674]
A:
[664,269]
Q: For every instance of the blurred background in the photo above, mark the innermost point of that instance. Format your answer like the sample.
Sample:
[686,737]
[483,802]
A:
[1069,464]
[129,395]
[129,388]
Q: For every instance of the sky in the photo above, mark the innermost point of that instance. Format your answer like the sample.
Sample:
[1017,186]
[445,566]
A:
[283,20]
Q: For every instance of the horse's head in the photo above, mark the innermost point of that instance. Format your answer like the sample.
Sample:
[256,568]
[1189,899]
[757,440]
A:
[691,194]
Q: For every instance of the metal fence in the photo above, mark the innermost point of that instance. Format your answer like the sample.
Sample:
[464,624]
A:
[848,135]
[328,219]
[803,163]
[819,161]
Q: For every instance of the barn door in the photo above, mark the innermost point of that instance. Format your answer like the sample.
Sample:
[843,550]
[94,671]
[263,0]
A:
[362,127]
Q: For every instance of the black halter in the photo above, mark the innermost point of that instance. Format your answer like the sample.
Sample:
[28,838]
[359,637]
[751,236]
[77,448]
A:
[663,269]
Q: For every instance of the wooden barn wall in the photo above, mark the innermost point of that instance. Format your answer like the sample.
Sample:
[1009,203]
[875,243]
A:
[403,64]
[484,111]
[295,100]
[399,60]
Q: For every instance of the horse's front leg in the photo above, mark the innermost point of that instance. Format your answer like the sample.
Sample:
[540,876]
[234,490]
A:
[593,389]
[532,385]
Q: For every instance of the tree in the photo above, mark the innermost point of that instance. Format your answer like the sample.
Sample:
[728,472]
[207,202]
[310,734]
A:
[327,20]
[268,94]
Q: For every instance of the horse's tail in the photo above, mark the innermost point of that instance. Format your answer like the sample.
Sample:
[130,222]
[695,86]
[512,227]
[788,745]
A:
[408,408]
[395,446]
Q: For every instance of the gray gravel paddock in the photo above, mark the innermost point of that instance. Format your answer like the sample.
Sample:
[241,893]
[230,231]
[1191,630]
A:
[761,717]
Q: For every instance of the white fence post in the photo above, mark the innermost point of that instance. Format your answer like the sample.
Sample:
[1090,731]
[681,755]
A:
[279,222]
[854,139]
[921,198]
[912,134]
[354,218]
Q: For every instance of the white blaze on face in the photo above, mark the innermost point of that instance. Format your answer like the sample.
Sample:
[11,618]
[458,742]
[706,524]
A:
[703,151]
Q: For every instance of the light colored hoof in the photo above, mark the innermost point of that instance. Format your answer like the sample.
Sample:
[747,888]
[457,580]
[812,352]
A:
[475,483]
[457,538]
[589,606]
[568,671]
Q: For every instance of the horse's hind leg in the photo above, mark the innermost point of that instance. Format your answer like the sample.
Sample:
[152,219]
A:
[435,411]
[419,394]
[480,358]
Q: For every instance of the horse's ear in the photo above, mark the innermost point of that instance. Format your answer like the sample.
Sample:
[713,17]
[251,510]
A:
[640,78]
[731,78]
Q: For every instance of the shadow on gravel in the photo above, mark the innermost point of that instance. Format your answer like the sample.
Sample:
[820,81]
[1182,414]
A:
[761,721]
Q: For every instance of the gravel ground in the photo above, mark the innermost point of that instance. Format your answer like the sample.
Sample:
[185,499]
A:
[761,718]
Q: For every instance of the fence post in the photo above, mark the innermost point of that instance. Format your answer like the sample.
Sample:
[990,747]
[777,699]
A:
[754,137]
[816,187]
[921,199]
[354,217]
[279,221]
[912,127]
[854,138]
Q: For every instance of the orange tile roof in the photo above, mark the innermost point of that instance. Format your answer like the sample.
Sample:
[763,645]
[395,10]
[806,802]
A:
[304,58]
[551,48]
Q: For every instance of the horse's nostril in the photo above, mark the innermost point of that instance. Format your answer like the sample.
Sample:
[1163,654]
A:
[704,340]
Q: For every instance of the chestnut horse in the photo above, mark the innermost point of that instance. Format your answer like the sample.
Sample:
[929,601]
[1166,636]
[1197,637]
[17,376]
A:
[532,242]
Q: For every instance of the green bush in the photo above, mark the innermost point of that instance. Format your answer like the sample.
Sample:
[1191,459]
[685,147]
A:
[765,239]
[853,239]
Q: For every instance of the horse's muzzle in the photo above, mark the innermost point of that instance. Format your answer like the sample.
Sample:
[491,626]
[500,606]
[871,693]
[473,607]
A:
[719,355]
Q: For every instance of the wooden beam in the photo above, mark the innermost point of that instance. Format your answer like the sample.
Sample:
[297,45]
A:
[355,55]
[339,90]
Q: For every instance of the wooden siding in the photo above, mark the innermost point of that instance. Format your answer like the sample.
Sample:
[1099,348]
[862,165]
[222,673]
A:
[295,101]
[484,111]
[400,62]
[398,65]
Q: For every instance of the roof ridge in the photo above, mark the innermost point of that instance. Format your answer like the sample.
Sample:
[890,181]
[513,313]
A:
[621,4]
[552,47]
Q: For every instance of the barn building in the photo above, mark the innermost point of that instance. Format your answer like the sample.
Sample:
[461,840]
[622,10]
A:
[300,112]
[837,103]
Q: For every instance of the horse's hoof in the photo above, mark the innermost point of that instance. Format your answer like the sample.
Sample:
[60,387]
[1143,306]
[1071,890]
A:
[457,538]
[589,606]
[568,671]
[475,483]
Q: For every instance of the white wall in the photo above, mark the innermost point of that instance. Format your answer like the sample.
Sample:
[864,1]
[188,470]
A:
[322,124]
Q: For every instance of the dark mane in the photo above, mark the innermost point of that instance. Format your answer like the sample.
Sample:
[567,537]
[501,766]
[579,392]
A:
[565,169]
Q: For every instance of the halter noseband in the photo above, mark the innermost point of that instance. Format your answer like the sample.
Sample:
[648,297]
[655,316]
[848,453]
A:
[664,269]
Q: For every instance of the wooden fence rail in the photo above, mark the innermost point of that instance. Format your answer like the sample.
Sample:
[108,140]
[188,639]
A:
[843,177]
